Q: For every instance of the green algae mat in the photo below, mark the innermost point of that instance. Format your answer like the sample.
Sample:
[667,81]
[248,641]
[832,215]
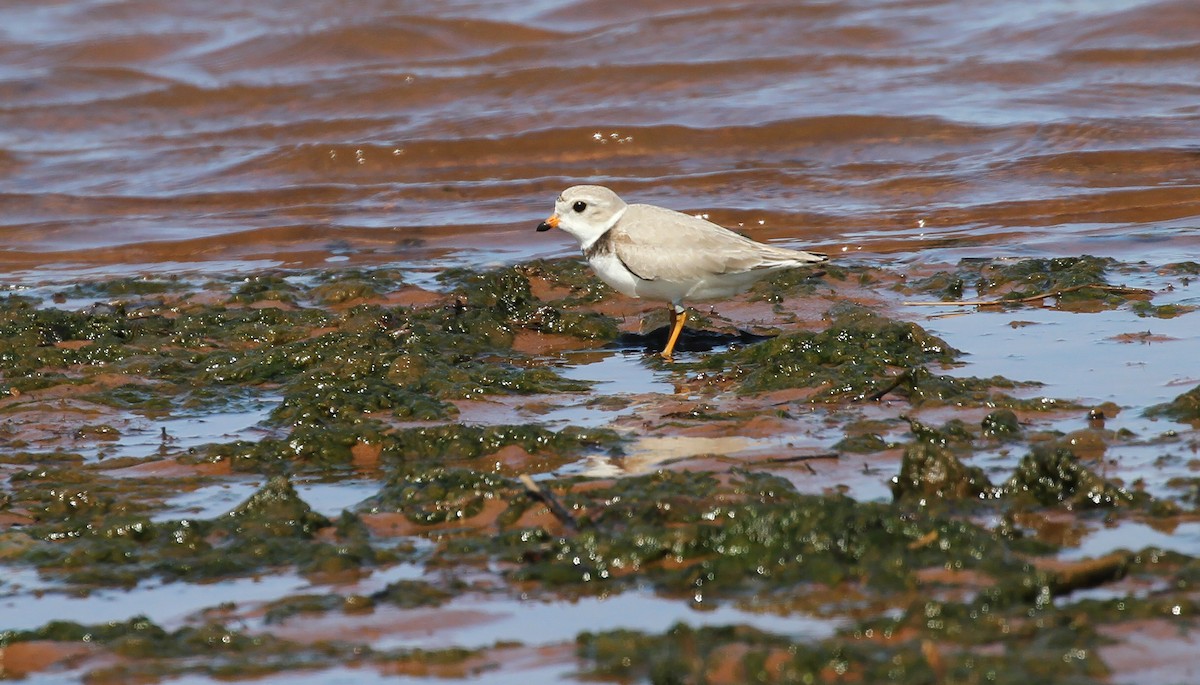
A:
[322,473]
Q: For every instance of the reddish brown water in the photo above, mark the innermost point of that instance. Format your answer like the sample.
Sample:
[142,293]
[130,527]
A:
[218,135]
[160,136]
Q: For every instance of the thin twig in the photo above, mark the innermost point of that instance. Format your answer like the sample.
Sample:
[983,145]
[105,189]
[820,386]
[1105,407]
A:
[896,382]
[924,541]
[1124,290]
[546,497]
[1088,573]
[804,458]
[949,315]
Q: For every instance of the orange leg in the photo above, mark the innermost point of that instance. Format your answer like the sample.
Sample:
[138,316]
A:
[677,319]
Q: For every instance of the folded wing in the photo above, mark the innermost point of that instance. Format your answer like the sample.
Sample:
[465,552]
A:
[656,243]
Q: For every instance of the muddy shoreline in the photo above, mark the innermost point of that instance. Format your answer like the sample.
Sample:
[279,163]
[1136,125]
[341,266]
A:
[318,471]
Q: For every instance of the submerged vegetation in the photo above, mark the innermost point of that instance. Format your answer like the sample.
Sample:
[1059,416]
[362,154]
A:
[1185,407]
[358,376]
[862,356]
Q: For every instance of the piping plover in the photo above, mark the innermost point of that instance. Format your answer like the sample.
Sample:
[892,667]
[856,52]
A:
[660,254]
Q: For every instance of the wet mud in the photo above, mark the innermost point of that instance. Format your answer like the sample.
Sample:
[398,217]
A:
[798,467]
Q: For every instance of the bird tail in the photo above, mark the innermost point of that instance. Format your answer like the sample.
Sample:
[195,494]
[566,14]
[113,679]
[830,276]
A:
[784,256]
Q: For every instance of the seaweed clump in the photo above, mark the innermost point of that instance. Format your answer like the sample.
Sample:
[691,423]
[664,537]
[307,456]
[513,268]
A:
[691,533]
[152,653]
[440,496]
[856,358]
[1034,276]
[346,356]
[1185,408]
[847,359]
[1051,475]
[315,447]
[930,469]
[274,527]
[685,654]
[1076,283]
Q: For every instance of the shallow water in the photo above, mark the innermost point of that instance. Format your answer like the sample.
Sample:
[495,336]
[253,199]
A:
[1136,536]
[1084,356]
[161,138]
[169,604]
[175,136]
[538,623]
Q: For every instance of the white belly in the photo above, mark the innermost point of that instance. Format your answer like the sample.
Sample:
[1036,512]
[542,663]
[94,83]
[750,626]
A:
[714,286]
[613,272]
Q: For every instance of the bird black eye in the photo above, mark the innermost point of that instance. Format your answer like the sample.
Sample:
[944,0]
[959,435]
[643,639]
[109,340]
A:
[579,206]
